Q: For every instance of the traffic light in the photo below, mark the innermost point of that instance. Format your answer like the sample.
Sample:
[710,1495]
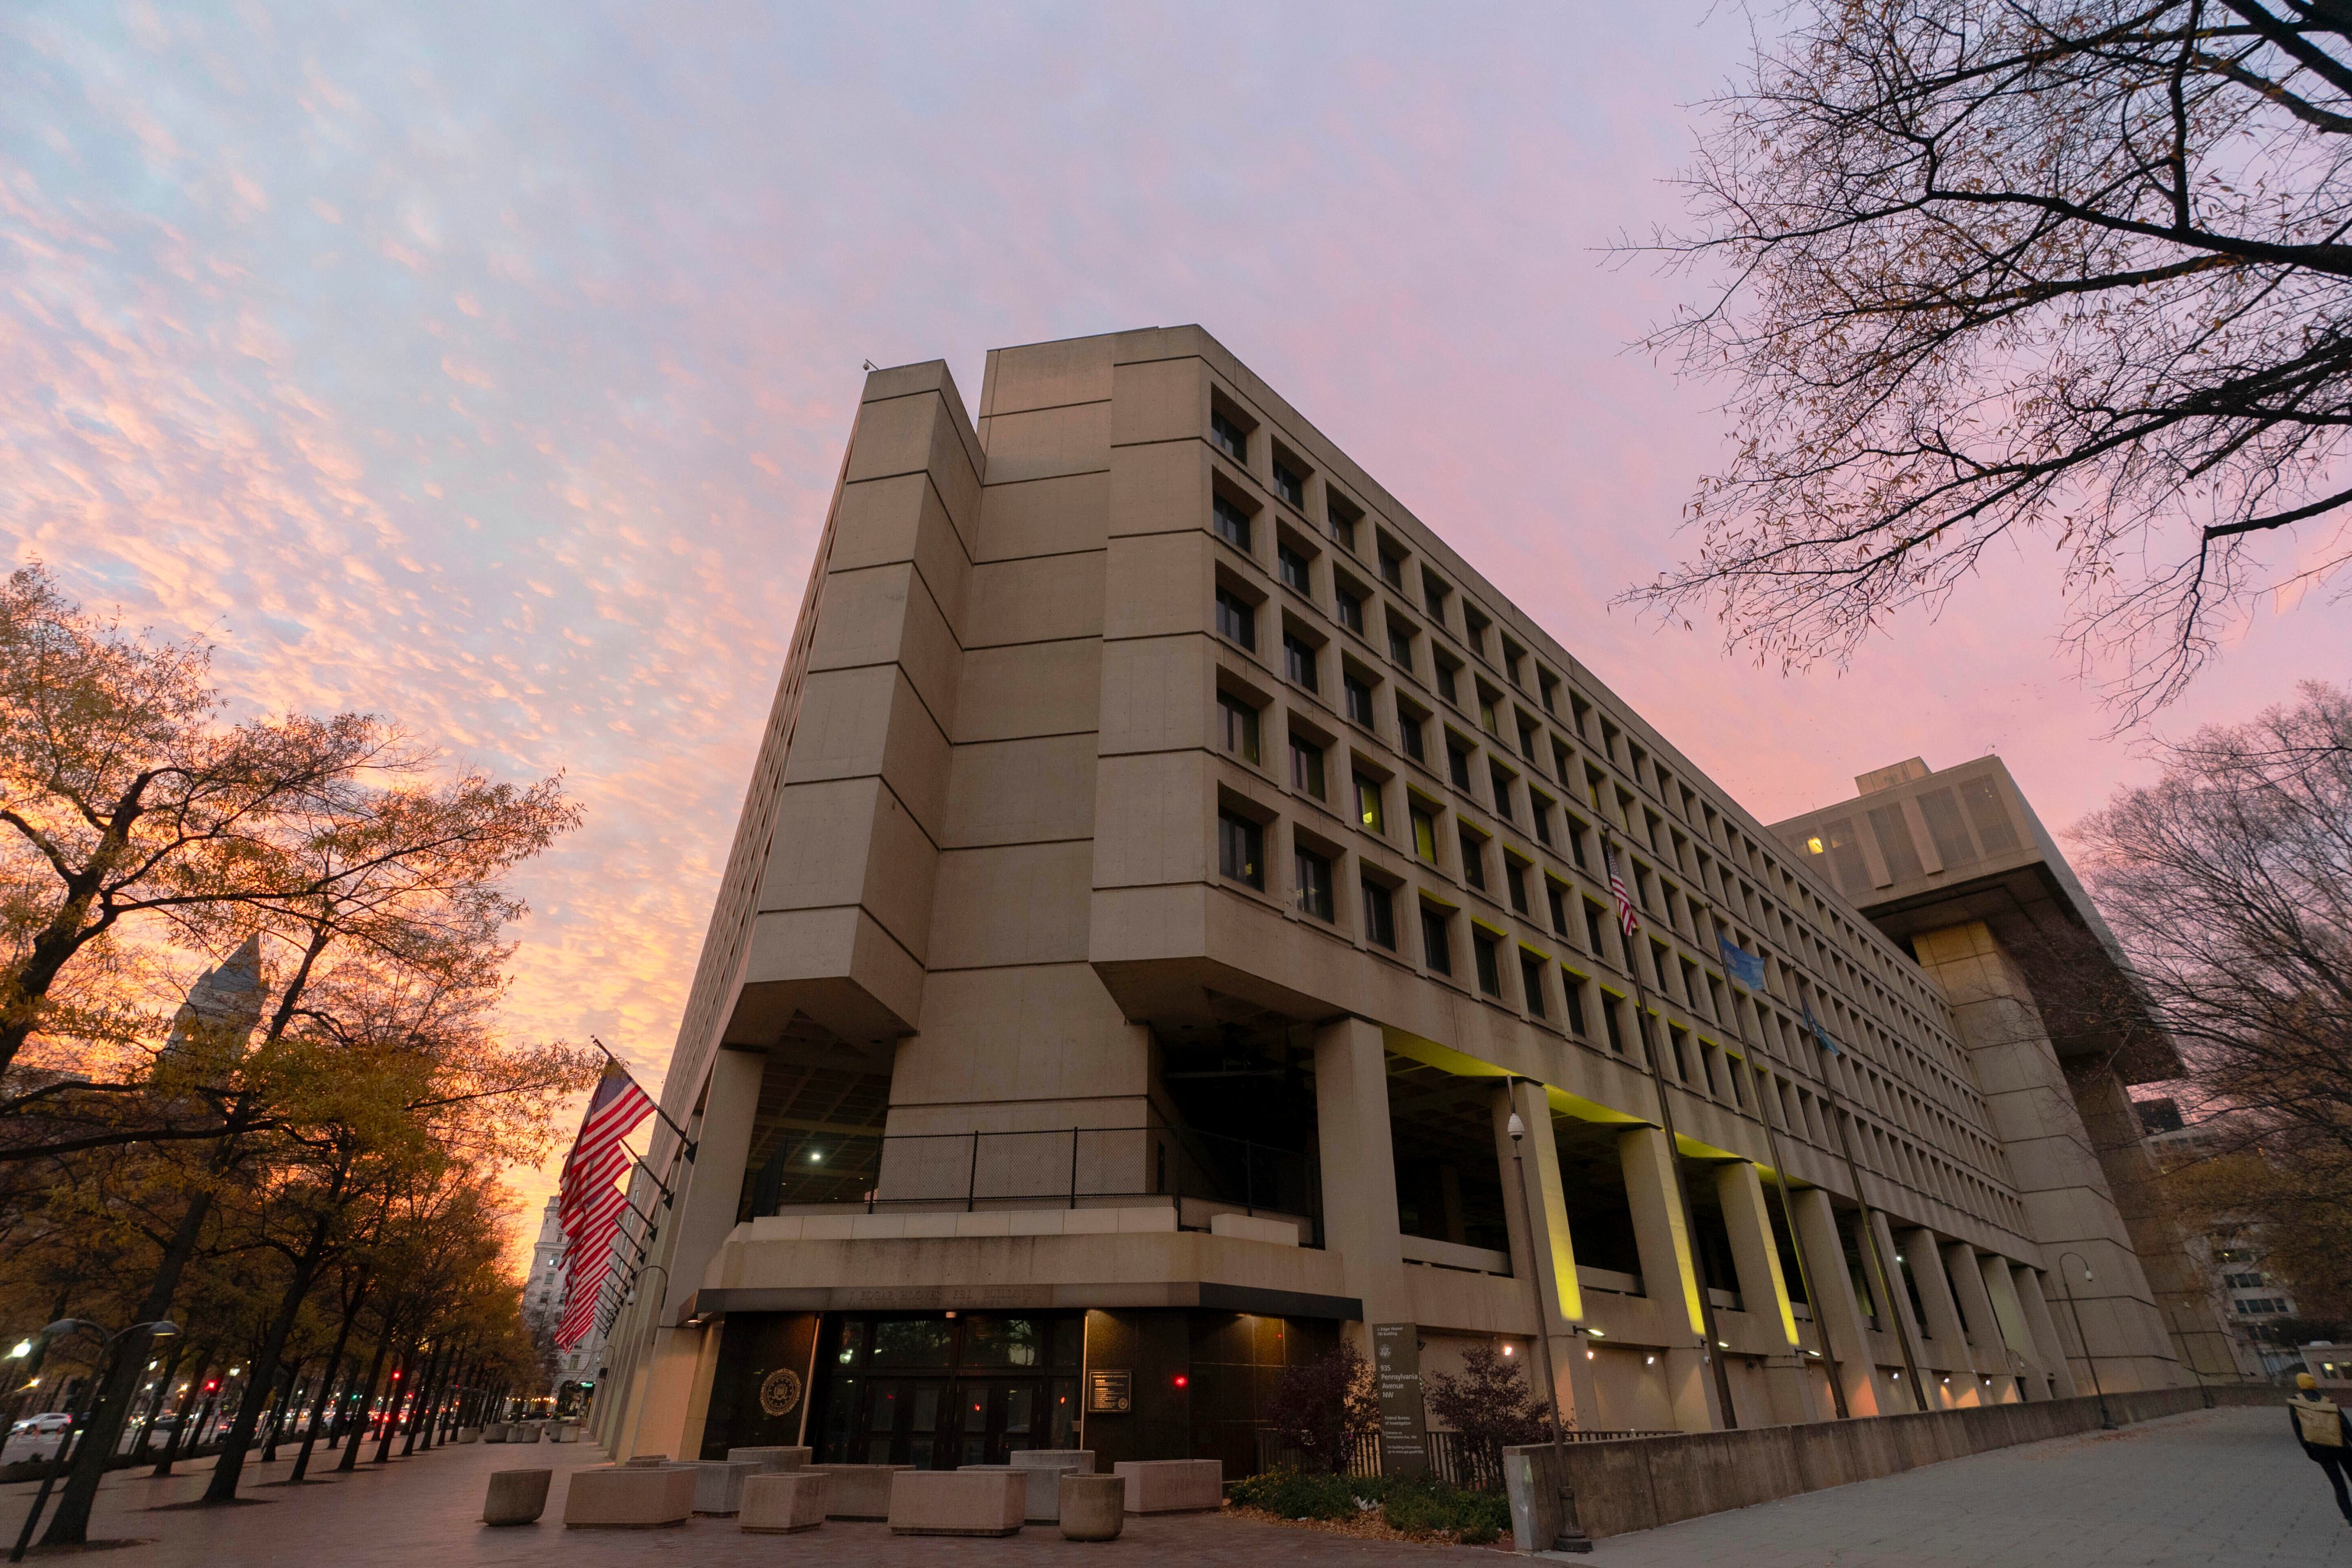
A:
[212,1385]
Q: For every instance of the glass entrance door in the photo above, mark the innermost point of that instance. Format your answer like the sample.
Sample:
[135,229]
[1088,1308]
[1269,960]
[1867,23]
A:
[939,1390]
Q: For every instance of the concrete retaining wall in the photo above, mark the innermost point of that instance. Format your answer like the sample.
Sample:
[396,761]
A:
[1637,1483]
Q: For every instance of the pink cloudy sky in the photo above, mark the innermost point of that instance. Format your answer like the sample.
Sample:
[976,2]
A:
[487,365]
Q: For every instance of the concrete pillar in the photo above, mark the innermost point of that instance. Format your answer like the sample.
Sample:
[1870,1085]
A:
[1988,1350]
[1548,1260]
[1903,1323]
[713,1186]
[2010,1315]
[1953,1380]
[1669,1275]
[1351,1112]
[2047,1343]
[1763,1290]
[1837,1316]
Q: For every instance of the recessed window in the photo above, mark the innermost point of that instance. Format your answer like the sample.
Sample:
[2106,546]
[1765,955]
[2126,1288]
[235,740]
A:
[1379,916]
[1432,596]
[1368,804]
[1526,738]
[1502,783]
[1514,876]
[1230,437]
[1490,967]
[1436,948]
[1457,763]
[1392,567]
[1556,896]
[1486,720]
[1424,832]
[1514,658]
[1399,646]
[1474,628]
[1409,734]
[1289,485]
[1531,980]
[1359,694]
[1611,1003]
[1298,660]
[1240,850]
[1593,918]
[1231,523]
[1312,872]
[1350,607]
[1306,767]
[1474,859]
[1237,727]
[1540,808]
[1291,566]
[1445,685]
[1344,515]
[1573,988]
[1236,619]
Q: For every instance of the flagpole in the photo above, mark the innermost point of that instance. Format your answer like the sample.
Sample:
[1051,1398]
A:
[664,1115]
[1674,1154]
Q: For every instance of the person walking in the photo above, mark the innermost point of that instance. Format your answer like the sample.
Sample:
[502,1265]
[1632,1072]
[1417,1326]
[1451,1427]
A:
[2326,1434]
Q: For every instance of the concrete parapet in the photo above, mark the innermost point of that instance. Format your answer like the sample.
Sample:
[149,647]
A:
[772,1459]
[516,1497]
[1172,1486]
[1091,1508]
[859,1492]
[782,1502]
[629,1497]
[988,1500]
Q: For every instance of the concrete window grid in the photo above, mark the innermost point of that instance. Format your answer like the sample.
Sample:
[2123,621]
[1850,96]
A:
[1830,967]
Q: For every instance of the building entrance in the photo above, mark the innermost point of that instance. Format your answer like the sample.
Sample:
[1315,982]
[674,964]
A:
[940,1390]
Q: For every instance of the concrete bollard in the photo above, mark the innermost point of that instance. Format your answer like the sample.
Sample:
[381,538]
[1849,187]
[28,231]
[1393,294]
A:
[1093,1508]
[516,1497]
[469,1433]
[494,1431]
[782,1502]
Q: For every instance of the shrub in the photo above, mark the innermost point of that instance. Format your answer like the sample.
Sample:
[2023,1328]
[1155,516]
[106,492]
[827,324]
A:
[1422,1507]
[1319,1406]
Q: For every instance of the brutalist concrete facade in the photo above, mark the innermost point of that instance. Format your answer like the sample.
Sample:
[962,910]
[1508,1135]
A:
[1169,872]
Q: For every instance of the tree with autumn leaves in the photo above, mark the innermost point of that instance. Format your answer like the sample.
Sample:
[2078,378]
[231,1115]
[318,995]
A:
[306,1154]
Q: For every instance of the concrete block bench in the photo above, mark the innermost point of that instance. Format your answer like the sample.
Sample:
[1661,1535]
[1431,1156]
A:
[1044,1469]
[1172,1486]
[494,1431]
[782,1502]
[516,1497]
[775,1458]
[1093,1508]
[523,1431]
[984,1502]
[469,1433]
[629,1497]
[647,1461]
[718,1485]
[859,1492]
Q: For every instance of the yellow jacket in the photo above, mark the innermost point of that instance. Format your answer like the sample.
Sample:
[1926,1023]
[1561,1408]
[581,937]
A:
[2318,1422]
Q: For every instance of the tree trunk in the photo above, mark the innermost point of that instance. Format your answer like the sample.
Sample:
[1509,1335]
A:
[172,1443]
[326,1389]
[179,1353]
[396,1401]
[367,1396]
[288,1398]
[230,1466]
[420,1402]
[69,1526]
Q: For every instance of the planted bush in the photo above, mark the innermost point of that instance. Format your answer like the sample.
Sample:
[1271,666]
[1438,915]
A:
[1418,1506]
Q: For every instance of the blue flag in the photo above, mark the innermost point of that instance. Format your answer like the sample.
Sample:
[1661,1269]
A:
[1745,966]
[1820,1034]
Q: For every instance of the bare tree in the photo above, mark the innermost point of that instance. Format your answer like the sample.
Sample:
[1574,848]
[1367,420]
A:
[2078,270]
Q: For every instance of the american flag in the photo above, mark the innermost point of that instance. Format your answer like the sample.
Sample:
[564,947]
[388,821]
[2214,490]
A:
[589,1203]
[1625,916]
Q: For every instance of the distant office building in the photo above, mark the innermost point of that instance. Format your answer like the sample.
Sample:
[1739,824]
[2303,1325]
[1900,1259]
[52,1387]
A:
[542,1305]
[2253,1303]
[1168,871]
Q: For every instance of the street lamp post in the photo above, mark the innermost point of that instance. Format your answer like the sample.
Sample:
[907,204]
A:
[163,1328]
[1571,1536]
[2106,1422]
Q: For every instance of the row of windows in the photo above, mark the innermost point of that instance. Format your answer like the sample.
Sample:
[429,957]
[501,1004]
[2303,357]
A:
[1234,519]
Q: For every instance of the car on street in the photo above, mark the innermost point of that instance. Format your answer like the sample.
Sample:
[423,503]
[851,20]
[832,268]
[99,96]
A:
[36,1438]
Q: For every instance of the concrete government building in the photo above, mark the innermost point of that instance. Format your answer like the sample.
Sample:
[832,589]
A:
[1169,867]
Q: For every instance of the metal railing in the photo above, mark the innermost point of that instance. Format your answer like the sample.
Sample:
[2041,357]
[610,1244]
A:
[1453,1456]
[1200,1174]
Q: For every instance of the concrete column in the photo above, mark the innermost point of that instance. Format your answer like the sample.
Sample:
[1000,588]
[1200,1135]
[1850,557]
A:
[1763,1290]
[1548,1260]
[1903,1323]
[713,1186]
[1351,1111]
[1837,1316]
[1947,1344]
[1669,1275]
[2010,1315]
[2053,1349]
[1990,1352]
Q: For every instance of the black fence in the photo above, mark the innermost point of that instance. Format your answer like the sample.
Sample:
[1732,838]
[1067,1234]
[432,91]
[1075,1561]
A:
[1453,1457]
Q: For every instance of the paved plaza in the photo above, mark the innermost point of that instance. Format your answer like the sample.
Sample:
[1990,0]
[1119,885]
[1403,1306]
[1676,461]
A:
[2219,1487]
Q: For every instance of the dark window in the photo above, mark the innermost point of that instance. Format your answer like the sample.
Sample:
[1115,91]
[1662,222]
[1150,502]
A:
[1392,570]
[1409,734]
[1379,917]
[1344,514]
[1527,739]
[1515,876]
[1359,698]
[1474,859]
[1314,876]
[1573,988]
[1435,950]
[1236,620]
[1531,980]
[1424,833]
[1289,486]
[1490,968]
[1292,567]
[1399,646]
[1609,1006]
[1306,767]
[1457,764]
[1233,524]
[1298,661]
[1502,781]
[1474,628]
[1432,596]
[1576,827]
[1486,720]
[1351,610]
[1237,727]
[1445,682]
[1367,803]
[1557,897]
[1241,845]
[1229,436]
[1540,809]
[1593,916]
